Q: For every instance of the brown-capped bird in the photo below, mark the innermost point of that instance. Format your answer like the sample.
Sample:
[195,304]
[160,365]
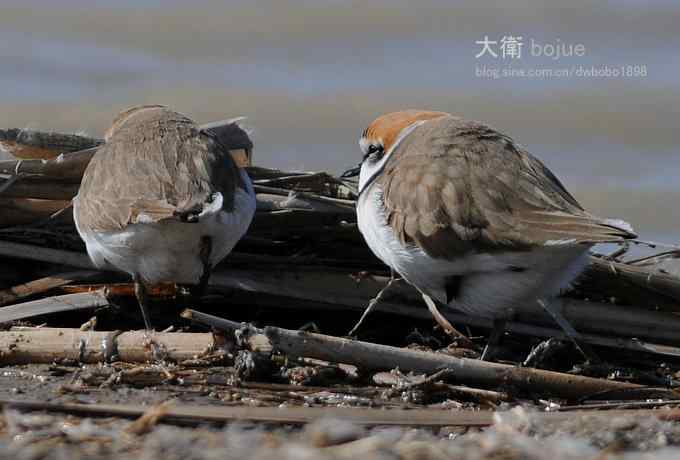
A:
[163,200]
[468,216]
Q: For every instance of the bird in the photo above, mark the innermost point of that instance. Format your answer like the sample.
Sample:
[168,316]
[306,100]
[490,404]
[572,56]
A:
[470,218]
[163,200]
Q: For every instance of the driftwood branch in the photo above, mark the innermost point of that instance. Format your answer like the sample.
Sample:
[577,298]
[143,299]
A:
[375,357]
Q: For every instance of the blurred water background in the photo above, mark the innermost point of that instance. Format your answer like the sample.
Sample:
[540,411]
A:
[309,75]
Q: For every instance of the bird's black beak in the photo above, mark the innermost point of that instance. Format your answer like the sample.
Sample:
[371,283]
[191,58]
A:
[352,172]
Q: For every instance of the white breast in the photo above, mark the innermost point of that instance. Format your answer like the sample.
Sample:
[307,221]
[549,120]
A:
[169,250]
[489,287]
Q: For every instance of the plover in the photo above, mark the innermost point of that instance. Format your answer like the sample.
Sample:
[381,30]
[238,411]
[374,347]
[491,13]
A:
[163,200]
[468,216]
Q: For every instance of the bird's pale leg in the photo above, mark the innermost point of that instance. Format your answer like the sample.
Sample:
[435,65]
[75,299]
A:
[569,331]
[371,305]
[445,324]
[143,300]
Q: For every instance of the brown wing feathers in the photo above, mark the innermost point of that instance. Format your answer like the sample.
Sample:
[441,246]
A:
[155,165]
[457,186]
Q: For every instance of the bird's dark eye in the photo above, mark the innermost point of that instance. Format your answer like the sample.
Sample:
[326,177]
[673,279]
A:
[374,151]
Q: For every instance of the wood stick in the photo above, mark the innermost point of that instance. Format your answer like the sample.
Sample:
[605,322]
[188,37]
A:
[44,346]
[28,143]
[43,284]
[181,413]
[275,202]
[68,167]
[310,196]
[41,189]
[42,254]
[23,211]
[638,284]
[377,357]
[56,304]
[304,182]
[157,291]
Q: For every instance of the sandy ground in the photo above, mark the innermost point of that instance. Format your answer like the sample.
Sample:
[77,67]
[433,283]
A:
[516,434]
